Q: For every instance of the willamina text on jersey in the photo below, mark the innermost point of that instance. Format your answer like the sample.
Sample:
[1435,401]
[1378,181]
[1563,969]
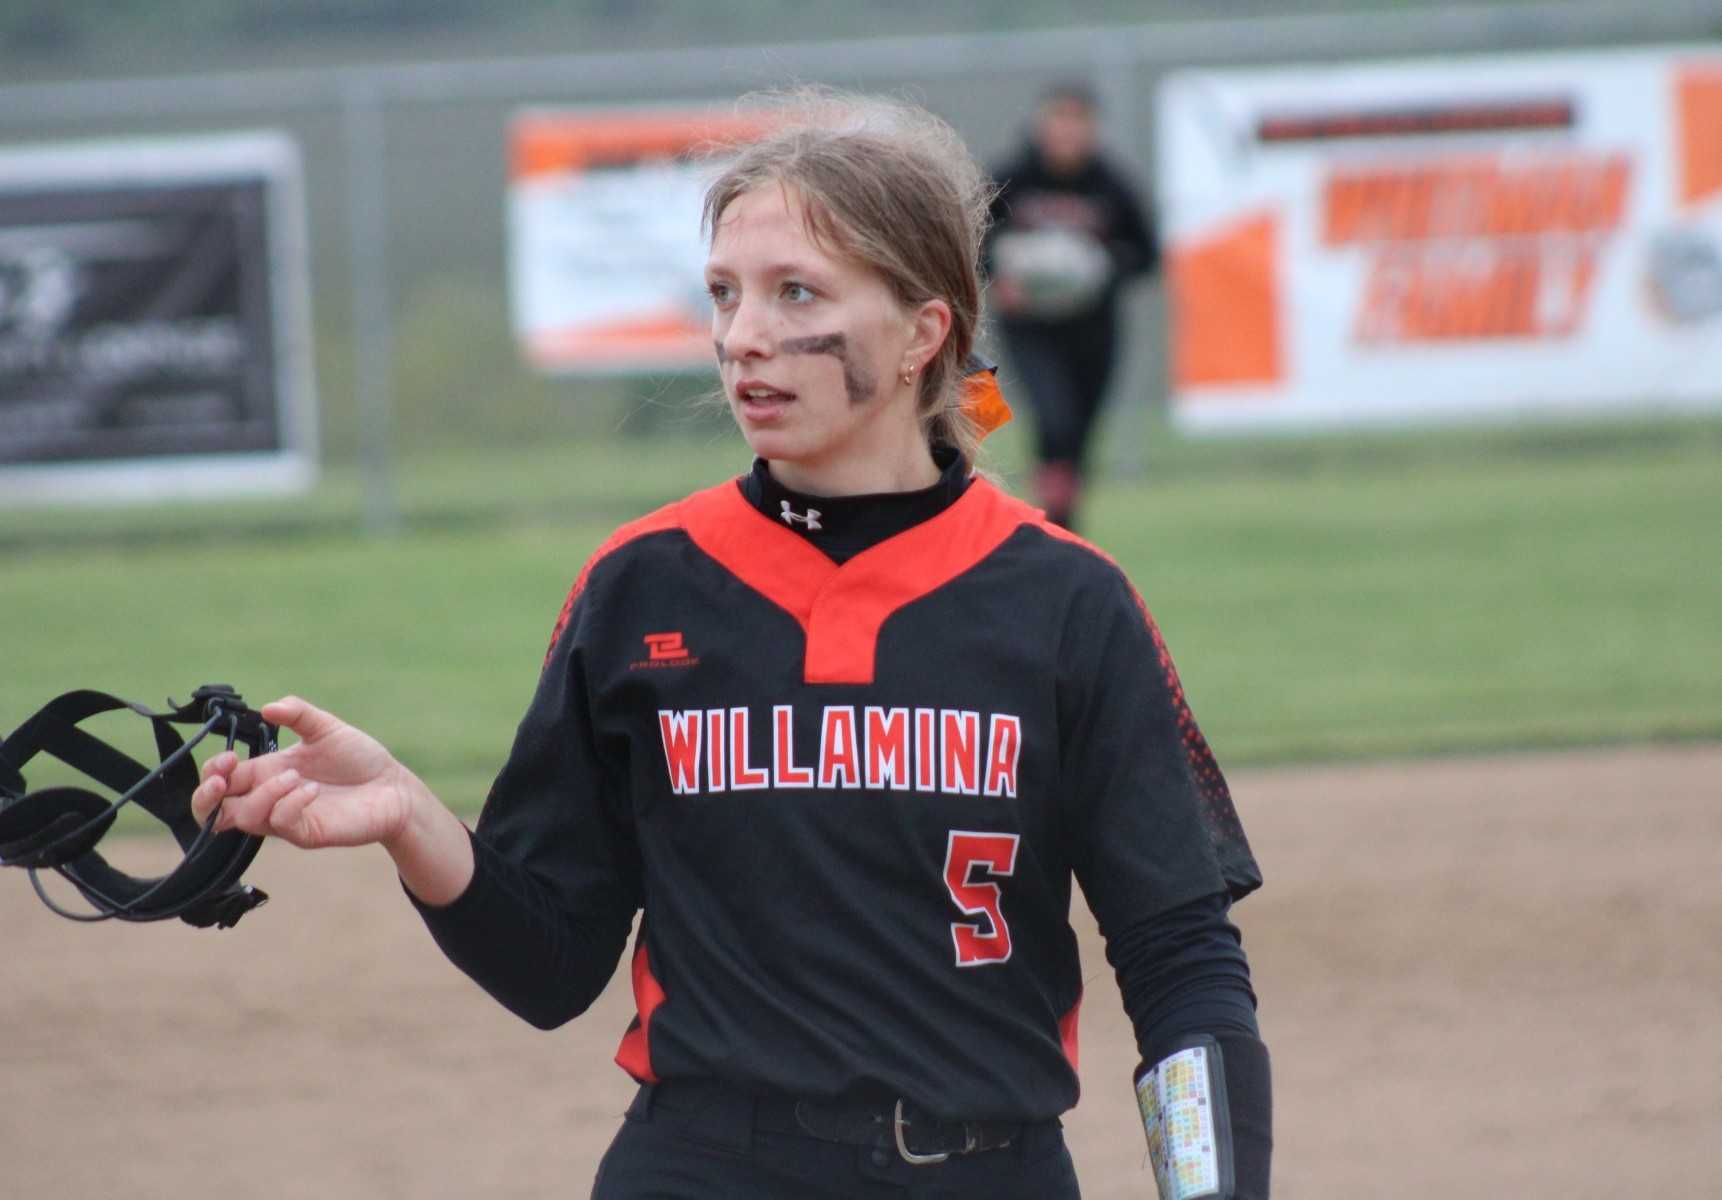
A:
[959,751]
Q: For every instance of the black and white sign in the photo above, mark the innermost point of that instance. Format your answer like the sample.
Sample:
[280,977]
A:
[152,320]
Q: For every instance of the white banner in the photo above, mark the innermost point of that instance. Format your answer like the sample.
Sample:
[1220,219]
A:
[607,266]
[1454,239]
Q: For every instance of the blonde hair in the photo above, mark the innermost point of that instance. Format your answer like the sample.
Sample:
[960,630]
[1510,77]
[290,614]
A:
[890,186]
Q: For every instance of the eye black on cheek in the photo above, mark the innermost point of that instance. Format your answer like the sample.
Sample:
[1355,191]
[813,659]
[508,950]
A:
[823,343]
[857,380]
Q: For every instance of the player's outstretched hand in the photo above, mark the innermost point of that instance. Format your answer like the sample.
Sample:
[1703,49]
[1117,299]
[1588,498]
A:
[337,786]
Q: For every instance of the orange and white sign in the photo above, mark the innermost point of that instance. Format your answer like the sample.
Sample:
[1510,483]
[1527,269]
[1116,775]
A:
[606,270]
[1469,239]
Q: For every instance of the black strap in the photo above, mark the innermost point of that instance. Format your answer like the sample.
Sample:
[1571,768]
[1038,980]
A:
[121,772]
[54,731]
[53,826]
[12,785]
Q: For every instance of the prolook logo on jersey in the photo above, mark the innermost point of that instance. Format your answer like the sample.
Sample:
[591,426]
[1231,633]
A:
[955,751]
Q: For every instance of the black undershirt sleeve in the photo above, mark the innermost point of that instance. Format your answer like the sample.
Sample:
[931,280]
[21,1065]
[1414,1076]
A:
[557,875]
[1184,971]
[1182,974]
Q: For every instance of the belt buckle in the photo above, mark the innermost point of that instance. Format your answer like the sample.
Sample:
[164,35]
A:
[898,1124]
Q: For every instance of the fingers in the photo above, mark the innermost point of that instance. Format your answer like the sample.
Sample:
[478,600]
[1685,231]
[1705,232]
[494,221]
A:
[302,717]
[252,811]
[217,782]
[208,795]
[289,819]
[267,794]
[226,774]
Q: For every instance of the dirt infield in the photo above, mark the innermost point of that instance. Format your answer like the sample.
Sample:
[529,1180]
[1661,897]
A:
[1490,977]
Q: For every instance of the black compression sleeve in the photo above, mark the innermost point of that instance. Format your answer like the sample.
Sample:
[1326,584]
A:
[1184,971]
[1250,1104]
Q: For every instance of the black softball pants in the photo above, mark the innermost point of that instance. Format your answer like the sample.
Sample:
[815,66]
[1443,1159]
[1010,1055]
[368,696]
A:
[682,1146]
[1064,369]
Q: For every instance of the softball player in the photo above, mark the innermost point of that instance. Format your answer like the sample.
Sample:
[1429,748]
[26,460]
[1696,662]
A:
[1059,191]
[843,730]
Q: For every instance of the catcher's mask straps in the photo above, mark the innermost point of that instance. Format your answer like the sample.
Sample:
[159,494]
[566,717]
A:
[57,828]
[11,782]
[982,400]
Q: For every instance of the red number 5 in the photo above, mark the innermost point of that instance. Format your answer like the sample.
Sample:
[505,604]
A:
[987,941]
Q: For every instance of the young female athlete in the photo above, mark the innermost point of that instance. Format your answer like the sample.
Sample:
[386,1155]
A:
[844,730]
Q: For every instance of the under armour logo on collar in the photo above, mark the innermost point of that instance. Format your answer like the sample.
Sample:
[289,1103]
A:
[810,518]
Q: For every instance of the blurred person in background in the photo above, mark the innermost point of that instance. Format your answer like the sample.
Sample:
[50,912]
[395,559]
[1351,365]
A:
[1068,233]
[845,730]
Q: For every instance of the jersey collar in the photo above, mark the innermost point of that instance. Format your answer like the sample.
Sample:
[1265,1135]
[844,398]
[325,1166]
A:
[842,606]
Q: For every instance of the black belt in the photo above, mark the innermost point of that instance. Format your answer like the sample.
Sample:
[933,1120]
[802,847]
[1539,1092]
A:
[920,1138]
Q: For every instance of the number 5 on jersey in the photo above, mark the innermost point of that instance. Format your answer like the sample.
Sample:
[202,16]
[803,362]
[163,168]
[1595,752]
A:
[988,940]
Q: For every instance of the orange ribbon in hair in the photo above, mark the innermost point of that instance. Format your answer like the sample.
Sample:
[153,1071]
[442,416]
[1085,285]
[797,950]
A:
[982,400]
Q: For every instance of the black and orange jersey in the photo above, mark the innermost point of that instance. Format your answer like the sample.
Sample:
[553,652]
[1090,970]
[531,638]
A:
[850,799]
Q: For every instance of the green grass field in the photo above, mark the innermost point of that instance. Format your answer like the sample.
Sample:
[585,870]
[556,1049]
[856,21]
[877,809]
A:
[1387,595]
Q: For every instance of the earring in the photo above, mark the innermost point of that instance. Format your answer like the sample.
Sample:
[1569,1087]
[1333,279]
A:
[908,375]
